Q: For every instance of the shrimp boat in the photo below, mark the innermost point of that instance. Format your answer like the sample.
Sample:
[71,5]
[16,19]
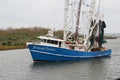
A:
[83,35]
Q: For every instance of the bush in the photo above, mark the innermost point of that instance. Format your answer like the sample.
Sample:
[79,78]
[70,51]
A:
[9,43]
[3,43]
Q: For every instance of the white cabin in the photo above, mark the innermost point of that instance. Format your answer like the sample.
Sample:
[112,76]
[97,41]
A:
[49,41]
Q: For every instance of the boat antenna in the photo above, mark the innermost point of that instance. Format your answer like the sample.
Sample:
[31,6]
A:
[78,19]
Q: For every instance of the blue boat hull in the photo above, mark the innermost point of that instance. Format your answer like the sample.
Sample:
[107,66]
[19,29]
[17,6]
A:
[47,53]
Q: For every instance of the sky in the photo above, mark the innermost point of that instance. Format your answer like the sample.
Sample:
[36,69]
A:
[49,13]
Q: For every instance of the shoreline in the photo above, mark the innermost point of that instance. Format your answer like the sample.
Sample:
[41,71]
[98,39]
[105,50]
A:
[12,47]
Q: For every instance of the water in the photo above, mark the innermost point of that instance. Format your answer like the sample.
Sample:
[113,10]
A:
[18,65]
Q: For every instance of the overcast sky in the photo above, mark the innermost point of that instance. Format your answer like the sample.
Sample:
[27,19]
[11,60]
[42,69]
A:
[45,13]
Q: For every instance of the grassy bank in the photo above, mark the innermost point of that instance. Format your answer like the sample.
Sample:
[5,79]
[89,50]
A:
[17,38]
[12,47]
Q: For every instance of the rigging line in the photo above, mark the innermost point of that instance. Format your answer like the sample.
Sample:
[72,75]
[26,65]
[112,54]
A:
[99,5]
[78,19]
[98,12]
[102,4]
[53,15]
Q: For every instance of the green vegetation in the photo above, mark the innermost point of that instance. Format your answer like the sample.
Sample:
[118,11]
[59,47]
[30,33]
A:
[12,47]
[17,38]
[20,36]
[110,37]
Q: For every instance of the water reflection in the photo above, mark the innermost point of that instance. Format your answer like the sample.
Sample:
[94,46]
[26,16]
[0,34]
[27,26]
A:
[63,63]
[94,69]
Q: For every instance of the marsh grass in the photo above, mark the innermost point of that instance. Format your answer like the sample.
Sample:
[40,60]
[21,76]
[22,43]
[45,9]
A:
[12,47]
[16,38]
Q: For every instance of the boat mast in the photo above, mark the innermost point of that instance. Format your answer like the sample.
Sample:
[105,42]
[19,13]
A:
[91,17]
[92,4]
[66,19]
[78,19]
[69,15]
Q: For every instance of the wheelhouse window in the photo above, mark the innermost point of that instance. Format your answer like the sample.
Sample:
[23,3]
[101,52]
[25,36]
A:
[48,41]
[43,40]
[52,42]
[56,42]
